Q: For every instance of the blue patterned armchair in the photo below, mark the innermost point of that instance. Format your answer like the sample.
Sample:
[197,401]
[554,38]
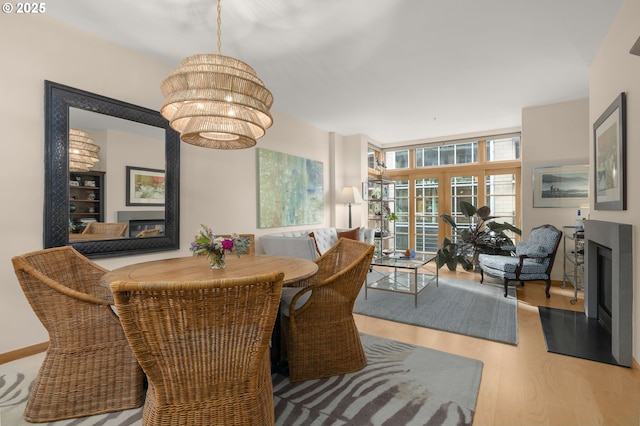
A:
[533,259]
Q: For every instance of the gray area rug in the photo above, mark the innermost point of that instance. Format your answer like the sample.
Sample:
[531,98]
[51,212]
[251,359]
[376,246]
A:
[402,384]
[457,306]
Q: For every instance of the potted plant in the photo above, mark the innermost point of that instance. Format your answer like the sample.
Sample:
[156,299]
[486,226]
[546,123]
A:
[486,236]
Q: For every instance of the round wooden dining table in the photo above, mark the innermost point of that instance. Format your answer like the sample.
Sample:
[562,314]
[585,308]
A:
[197,269]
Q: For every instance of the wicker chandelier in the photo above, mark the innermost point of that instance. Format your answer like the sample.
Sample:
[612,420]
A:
[83,152]
[216,101]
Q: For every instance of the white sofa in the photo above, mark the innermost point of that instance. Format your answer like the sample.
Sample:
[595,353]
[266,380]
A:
[300,244]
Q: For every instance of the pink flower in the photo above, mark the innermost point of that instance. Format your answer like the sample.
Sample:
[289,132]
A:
[227,244]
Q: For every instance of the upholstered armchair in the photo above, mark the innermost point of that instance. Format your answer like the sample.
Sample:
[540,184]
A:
[533,259]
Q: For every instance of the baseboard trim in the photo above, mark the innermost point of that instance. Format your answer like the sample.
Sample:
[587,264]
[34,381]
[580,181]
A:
[23,352]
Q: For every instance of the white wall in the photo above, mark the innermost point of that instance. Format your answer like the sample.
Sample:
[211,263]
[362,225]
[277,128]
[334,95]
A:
[613,71]
[552,135]
[353,169]
[218,187]
[124,149]
[36,48]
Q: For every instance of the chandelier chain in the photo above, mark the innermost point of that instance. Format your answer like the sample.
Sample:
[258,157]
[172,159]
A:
[216,101]
[219,30]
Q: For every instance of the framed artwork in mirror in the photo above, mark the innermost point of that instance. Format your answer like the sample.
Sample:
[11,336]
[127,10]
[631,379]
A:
[610,157]
[145,187]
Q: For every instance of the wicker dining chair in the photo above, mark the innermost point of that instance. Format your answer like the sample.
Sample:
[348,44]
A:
[154,232]
[89,367]
[251,239]
[319,333]
[113,229]
[204,346]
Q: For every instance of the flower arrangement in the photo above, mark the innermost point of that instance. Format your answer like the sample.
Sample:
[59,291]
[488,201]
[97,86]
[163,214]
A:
[205,243]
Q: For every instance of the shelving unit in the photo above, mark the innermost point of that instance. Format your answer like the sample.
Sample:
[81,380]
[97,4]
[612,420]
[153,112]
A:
[86,198]
[573,260]
[379,195]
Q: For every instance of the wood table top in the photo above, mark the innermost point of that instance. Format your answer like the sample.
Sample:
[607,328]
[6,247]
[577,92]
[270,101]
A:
[197,269]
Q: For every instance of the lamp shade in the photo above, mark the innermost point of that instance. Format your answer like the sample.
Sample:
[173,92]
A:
[349,195]
[216,101]
[83,152]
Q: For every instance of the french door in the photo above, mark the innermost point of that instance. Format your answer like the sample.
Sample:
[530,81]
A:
[422,197]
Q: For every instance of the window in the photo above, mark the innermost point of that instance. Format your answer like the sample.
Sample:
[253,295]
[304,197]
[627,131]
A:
[463,188]
[427,215]
[460,153]
[433,179]
[503,149]
[402,211]
[372,154]
[500,190]
[397,159]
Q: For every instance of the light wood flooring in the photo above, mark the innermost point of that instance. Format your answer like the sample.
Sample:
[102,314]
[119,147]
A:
[524,384]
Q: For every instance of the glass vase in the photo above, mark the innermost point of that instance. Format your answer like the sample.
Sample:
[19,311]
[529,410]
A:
[217,259]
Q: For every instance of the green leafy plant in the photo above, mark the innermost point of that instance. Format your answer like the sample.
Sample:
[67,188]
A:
[486,236]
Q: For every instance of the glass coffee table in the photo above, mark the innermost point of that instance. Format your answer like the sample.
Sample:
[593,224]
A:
[407,280]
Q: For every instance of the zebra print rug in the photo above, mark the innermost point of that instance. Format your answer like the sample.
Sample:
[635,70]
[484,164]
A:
[402,384]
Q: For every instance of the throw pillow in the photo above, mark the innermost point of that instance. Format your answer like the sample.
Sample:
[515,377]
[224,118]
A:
[312,235]
[352,234]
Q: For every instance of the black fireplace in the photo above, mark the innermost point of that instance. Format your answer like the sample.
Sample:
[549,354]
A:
[605,286]
[140,220]
[135,226]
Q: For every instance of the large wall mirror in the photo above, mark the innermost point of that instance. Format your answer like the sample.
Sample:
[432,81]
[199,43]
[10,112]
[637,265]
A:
[134,179]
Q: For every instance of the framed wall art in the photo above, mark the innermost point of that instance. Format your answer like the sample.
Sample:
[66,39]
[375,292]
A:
[610,157]
[145,187]
[290,190]
[561,186]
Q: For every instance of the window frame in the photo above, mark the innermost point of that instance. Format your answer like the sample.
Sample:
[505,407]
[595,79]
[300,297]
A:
[481,169]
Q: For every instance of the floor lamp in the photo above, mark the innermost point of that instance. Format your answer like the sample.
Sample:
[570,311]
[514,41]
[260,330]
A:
[349,195]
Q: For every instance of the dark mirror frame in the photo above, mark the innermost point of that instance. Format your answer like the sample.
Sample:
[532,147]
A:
[58,100]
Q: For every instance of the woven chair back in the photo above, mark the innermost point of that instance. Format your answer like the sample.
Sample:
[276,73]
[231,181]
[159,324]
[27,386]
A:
[114,229]
[204,346]
[63,287]
[316,327]
[148,233]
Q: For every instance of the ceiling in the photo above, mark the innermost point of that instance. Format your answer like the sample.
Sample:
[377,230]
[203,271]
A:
[394,70]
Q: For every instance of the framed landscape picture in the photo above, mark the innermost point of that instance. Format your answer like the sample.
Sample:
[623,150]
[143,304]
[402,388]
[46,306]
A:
[610,146]
[561,186]
[145,187]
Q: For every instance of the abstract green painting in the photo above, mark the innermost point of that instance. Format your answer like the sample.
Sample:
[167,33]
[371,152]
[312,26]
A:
[290,190]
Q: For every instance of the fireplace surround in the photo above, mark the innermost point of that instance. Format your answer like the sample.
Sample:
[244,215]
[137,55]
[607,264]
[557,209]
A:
[618,239]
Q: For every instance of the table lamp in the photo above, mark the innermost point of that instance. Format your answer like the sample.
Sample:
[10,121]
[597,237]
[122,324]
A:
[349,195]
